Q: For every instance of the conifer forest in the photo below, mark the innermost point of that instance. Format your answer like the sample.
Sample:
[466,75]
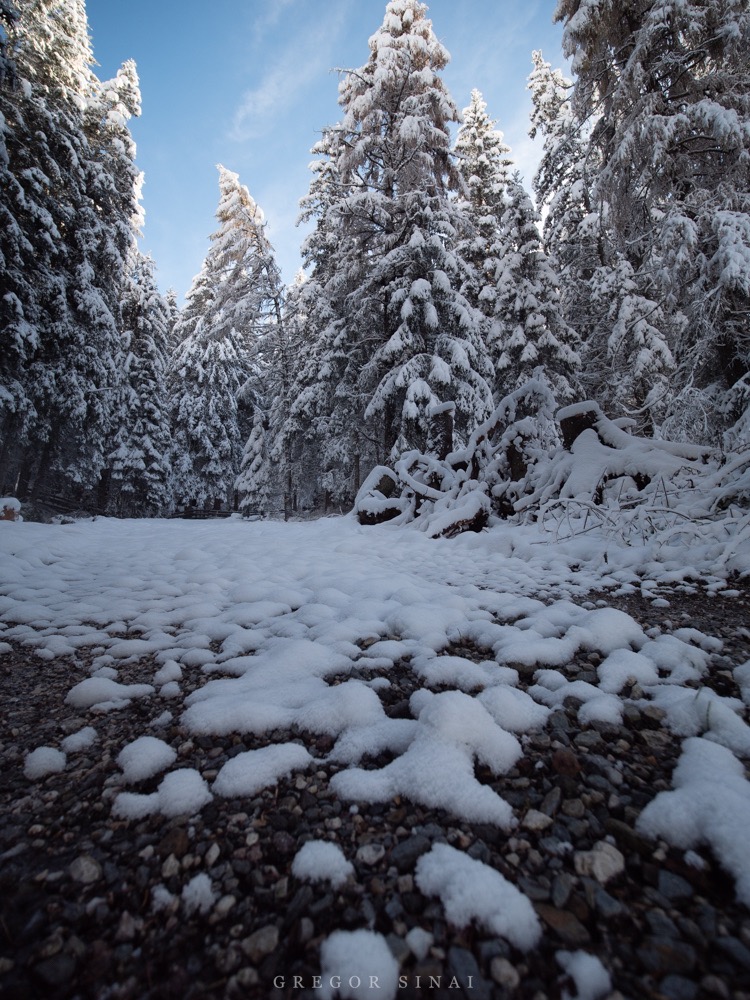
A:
[440,293]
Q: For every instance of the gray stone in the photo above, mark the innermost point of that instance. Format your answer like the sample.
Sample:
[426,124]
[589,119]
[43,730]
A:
[371,854]
[673,887]
[566,925]
[562,888]
[661,925]
[407,852]
[463,965]
[551,802]
[536,820]
[663,956]
[85,870]
[678,988]
[56,971]
[505,974]
[261,943]
[735,950]
[607,906]
[604,862]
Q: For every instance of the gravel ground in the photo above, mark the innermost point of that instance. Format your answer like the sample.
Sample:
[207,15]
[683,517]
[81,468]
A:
[76,913]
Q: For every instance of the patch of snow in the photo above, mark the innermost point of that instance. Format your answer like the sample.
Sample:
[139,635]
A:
[79,741]
[101,691]
[249,772]
[198,895]
[709,804]
[145,757]
[162,899]
[322,861]
[592,981]
[357,965]
[181,793]
[470,890]
[43,761]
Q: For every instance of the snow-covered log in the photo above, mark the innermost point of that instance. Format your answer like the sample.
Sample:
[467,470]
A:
[529,457]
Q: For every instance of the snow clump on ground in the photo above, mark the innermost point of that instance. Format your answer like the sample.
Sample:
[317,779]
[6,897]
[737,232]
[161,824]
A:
[322,861]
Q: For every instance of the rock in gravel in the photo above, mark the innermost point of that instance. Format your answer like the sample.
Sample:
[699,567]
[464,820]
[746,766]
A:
[735,949]
[85,870]
[371,854]
[565,924]
[504,973]
[603,862]
[176,841]
[565,762]
[678,988]
[261,943]
[406,853]
[674,887]
[663,956]
[57,971]
[463,965]
[562,887]
[536,821]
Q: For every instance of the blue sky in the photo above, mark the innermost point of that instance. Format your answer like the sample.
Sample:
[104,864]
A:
[249,83]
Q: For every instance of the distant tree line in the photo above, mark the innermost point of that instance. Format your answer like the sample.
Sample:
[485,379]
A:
[431,285]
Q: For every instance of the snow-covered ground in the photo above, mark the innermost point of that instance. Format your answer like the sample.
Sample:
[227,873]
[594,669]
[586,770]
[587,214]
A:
[299,627]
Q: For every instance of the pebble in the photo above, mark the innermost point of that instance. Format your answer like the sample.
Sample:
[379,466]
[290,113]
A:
[212,855]
[504,973]
[57,971]
[562,886]
[565,762]
[565,924]
[85,870]
[463,965]
[735,949]
[604,862]
[261,943]
[663,956]
[536,820]
[370,854]
[678,988]
[407,852]
[170,867]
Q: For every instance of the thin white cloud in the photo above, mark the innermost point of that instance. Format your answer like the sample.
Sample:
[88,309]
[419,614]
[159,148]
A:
[304,59]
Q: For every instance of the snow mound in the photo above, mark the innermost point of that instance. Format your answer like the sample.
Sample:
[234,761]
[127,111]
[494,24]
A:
[181,793]
[249,772]
[43,761]
[145,757]
[79,741]
[198,895]
[592,981]
[470,890]
[357,965]
[322,861]
[437,768]
[103,692]
[710,804]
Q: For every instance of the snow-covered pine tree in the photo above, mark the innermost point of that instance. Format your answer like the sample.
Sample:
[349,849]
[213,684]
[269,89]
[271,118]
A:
[173,314]
[205,376]
[530,331]
[255,469]
[626,362]
[55,295]
[413,338]
[228,322]
[573,232]
[484,163]
[322,428]
[140,457]
[669,86]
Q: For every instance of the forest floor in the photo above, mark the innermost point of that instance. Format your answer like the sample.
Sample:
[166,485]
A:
[96,904]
